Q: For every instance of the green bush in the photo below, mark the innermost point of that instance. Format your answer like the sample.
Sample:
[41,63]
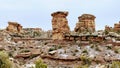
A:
[115,64]
[4,60]
[85,60]
[39,64]
[85,51]
[52,49]
[117,51]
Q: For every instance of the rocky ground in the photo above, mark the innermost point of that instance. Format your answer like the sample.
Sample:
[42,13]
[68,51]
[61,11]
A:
[58,54]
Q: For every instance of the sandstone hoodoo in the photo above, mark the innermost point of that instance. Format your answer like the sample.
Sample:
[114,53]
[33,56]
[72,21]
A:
[59,25]
[86,23]
[14,27]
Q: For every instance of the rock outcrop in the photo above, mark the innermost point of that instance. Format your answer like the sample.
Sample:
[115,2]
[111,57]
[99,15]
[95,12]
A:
[59,25]
[108,28]
[117,27]
[14,27]
[86,23]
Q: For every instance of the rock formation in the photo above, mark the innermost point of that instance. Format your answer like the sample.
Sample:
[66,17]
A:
[117,27]
[86,23]
[14,27]
[108,28]
[59,25]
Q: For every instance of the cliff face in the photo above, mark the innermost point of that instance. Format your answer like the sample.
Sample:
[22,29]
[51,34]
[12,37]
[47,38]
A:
[59,25]
[86,23]
[14,27]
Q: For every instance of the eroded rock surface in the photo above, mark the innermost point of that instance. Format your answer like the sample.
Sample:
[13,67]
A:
[14,27]
[59,25]
[86,23]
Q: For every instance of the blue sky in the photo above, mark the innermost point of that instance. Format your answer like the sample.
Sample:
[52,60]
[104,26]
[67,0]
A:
[37,13]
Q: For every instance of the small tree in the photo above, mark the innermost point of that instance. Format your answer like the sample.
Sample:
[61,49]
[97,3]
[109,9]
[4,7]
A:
[4,60]
[39,64]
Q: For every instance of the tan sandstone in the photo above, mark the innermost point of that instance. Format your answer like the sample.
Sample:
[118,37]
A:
[86,23]
[59,25]
[14,27]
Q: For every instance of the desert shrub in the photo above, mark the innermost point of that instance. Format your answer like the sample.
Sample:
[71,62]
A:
[85,60]
[36,34]
[109,47]
[52,49]
[59,47]
[4,60]
[24,51]
[106,32]
[39,64]
[55,47]
[115,64]
[117,51]
[85,51]
[96,47]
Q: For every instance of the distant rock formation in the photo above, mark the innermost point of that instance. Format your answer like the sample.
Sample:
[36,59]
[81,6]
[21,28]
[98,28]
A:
[14,27]
[117,27]
[59,25]
[86,23]
[108,28]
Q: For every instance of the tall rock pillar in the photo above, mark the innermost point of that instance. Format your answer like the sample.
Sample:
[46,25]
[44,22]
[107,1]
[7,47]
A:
[59,25]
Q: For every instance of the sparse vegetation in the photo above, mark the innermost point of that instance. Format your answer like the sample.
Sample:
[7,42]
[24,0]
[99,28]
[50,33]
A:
[109,47]
[39,64]
[85,60]
[85,51]
[52,49]
[115,64]
[4,60]
[117,51]
[23,51]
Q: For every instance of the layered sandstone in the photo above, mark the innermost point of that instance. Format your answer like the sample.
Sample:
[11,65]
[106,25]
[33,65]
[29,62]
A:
[59,25]
[86,23]
[14,27]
